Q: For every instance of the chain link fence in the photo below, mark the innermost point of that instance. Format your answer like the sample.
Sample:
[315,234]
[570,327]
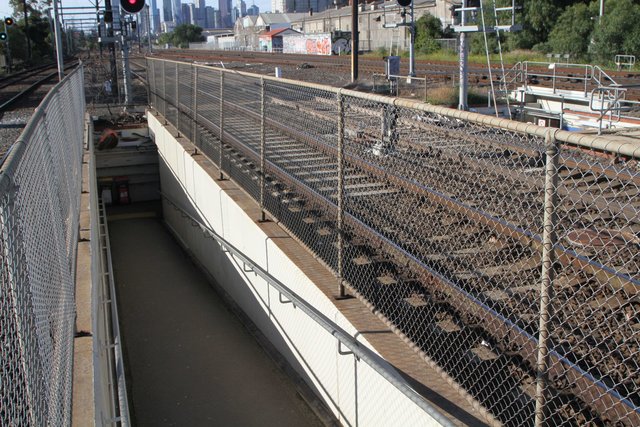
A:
[507,253]
[39,209]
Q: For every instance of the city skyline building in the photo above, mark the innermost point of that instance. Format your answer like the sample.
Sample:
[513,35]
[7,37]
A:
[253,10]
[225,8]
[196,12]
[167,14]
[193,14]
[176,6]
[153,11]
[300,6]
[186,14]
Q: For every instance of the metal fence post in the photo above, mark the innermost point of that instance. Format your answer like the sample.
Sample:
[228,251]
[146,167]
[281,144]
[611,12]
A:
[262,149]
[177,103]
[547,275]
[164,92]
[425,88]
[221,124]
[341,290]
[194,131]
[151,68]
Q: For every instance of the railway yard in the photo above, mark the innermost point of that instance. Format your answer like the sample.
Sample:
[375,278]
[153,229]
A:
[436,221]
[336,70]
[506,255]
[20,94]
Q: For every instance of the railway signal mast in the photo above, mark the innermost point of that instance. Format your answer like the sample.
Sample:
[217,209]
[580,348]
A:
[469,18]
[131,7]
[4,36]
[404,4]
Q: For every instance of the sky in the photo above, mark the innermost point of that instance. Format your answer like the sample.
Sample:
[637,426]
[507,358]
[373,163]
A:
[264,5]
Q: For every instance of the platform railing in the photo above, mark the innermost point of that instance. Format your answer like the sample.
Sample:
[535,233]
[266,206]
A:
[591,76]
[39,215]
[507,253]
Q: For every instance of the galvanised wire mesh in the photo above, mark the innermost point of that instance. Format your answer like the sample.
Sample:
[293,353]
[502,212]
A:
[39,211]
[507,253]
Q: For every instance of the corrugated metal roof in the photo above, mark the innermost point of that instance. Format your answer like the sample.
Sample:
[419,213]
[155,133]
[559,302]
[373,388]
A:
[276,32]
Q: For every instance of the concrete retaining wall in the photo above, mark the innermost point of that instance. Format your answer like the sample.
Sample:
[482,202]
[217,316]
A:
[353,391]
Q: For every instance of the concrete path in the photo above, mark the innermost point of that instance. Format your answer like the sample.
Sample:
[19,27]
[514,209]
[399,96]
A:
[190,361]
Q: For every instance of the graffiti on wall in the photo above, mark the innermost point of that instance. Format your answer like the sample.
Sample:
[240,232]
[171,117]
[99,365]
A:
[317,44]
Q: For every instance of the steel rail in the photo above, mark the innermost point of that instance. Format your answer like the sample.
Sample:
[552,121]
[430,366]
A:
[5,105]
[564,255]
[612,145]
[8,80]
[7,160]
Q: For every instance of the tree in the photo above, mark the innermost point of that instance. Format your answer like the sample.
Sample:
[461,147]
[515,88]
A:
[618,31]
[37,31]
[184,34]
[428,29]
[539,17]
[572,31]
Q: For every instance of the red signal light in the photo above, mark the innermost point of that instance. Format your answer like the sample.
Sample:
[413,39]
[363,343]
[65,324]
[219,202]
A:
[132,6]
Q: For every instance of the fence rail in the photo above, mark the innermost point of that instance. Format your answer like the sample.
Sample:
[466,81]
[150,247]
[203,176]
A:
[507,253]
[39,212]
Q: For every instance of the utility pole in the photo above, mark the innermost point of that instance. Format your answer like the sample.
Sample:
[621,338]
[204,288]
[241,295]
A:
[108,11]
[601,8]
[99,26]
[51,31]
[464,56]
[26,28]
[124,43]
[56,26]
[412,41]
[467,25]
[355,42]
[149,27]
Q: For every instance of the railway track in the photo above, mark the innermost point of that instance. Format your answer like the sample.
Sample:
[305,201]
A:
[442,237]
[437,72]
[17,86]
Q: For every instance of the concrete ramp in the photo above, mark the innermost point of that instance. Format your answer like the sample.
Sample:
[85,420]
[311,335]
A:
[190,360]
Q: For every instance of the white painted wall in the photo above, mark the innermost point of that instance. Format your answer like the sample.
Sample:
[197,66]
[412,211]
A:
[355,393]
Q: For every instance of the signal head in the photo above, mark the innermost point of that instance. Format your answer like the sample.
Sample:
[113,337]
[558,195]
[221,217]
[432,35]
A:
[132,6]
[9,21]
[3,36]
[404,3]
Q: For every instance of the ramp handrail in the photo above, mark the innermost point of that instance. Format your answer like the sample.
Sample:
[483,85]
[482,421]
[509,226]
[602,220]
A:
[376,362]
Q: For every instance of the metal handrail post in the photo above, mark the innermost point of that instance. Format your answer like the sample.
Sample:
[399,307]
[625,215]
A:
[221,124]
[547,275]
[586,76]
